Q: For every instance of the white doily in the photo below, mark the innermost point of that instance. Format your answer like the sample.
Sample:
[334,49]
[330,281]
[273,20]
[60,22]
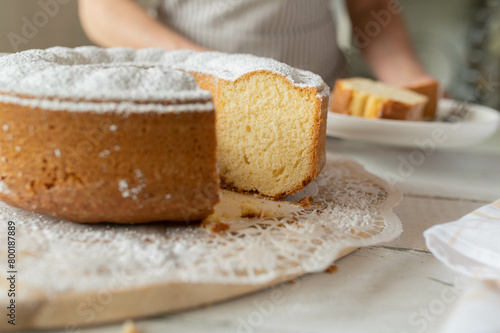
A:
[351,208]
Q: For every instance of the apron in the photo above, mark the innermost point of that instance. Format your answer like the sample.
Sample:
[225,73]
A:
[300,33]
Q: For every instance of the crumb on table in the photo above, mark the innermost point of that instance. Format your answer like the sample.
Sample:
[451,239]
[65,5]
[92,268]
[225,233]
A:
[332,269]
[212,219]
[268,213]
[249,209]
[219,227]
[305,202]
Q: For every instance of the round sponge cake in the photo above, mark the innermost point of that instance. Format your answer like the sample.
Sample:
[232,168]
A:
[129,136]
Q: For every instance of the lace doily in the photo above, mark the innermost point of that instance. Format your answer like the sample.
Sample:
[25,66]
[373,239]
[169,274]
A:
[350,208]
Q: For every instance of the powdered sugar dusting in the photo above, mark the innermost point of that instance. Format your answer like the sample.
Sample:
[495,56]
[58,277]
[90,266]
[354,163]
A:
[122,74]
[352,208]
[123,188]
[3,188]
[54,73]
[105,153]
[132,192]
[232,66]
[118,107]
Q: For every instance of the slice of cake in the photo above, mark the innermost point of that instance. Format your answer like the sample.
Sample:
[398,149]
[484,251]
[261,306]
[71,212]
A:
[430,89]
[370,99]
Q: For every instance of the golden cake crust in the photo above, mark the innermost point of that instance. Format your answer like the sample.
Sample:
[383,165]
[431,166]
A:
[123,168]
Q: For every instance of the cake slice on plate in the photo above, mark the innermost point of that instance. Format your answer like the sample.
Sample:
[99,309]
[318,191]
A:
[372,99]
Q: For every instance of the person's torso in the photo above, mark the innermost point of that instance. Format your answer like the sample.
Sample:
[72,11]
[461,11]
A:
[297,32]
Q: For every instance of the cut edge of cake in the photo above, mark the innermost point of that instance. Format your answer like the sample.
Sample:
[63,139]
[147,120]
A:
[257,152]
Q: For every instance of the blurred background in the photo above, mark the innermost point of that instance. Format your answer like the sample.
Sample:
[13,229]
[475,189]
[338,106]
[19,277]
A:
[457,40]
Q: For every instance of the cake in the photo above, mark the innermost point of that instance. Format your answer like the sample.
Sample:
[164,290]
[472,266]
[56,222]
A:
[131,136]
[370,99]
[430,89]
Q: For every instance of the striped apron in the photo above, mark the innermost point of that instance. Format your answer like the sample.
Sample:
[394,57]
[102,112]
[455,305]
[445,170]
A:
[301,33]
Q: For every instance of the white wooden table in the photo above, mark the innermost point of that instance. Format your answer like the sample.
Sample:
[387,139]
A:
[395,287]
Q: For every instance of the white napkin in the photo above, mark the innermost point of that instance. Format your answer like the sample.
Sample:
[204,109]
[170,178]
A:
[471,246]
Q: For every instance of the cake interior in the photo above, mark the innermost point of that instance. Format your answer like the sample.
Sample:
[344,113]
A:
[266,133]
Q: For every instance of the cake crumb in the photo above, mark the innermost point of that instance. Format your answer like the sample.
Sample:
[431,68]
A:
[332,269]
[268,213]
[291,282]
[214,224]
[209,221]
[305,202]
[129,327]
[250,210]
[219,227]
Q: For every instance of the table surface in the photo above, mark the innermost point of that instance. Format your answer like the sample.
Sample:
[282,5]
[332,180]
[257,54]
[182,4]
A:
[394,287]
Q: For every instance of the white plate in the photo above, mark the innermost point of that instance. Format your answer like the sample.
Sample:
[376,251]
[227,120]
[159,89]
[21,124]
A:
[480,124]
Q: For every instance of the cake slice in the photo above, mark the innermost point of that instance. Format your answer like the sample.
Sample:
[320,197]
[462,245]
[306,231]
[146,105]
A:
[430,89]
[370,99]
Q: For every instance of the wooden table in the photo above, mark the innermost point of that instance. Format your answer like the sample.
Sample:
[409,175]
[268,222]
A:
[395,287]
